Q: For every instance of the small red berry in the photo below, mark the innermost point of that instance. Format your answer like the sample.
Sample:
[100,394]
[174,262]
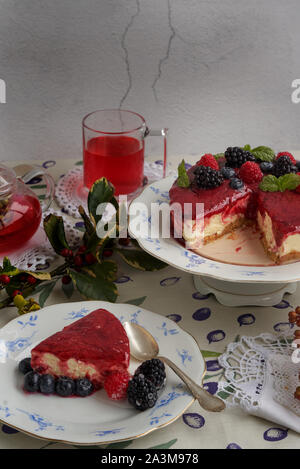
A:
[286,153]
[107,252]
[250,172]
[31,280]
[81,249]
[124,241]
[16,292]
[23,278]
[78,261]
[5,279]
[116,385]
[66,279]
[208,160]
[90,258]
[66,252]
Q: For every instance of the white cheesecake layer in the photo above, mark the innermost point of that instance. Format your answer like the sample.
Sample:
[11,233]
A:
[290,244]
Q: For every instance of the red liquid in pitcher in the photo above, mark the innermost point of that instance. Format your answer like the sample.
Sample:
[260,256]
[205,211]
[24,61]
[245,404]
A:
[19,223]
[119,159]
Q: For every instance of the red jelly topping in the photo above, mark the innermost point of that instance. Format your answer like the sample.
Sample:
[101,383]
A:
[98,339]
[284,210]
[215,200]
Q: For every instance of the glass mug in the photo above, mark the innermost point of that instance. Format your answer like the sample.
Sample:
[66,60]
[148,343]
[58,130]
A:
[20,208]
[114,147]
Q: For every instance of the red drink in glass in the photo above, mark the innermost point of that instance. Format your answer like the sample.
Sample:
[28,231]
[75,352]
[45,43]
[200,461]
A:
[119,158]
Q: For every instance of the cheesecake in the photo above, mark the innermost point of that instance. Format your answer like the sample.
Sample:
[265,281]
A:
[236,191]
[91,347]
[278,218]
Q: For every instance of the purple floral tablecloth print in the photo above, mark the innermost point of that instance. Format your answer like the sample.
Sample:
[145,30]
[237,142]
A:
[171,293]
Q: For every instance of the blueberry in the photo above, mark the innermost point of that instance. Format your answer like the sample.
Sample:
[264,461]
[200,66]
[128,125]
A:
[266,166]
[83,387]
[236,183]
[32,381]
[47,384]
[25,365]
[64,386]
[227,172]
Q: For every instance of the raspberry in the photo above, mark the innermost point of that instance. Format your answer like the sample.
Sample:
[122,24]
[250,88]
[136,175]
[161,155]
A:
[286,153]
[251,172]
[116,385]
[208,160]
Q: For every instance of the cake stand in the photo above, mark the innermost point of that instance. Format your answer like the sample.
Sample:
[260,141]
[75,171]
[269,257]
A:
[232,284]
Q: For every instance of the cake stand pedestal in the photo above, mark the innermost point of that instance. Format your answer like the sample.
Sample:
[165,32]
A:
[243,294]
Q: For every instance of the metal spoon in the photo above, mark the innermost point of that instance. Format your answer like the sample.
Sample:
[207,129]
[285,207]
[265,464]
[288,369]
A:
[143,346]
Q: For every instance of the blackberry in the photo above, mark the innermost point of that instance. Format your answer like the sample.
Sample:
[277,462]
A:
[283,165]
[207,178]
[298,165]
[141,393]
[236,157]
[154,370]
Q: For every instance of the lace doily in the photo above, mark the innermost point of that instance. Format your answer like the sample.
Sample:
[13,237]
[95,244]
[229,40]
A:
[70,193]
[38,252]
[250,362]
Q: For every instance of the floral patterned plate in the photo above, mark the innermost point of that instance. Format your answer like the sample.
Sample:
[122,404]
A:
[95,419]
[172,252]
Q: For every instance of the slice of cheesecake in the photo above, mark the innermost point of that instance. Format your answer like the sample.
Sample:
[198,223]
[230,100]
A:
[224,210]
[278,217]
[91,347]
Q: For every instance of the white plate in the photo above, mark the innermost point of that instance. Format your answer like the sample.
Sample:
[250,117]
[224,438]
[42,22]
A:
[171,252]
[95,419]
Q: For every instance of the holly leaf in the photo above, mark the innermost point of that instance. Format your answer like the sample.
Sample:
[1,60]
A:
[8,268]
[101,192]
[55,231]
[263,153]
[183,179]
[141,260]
[95,283]
[45,293]
[68,289]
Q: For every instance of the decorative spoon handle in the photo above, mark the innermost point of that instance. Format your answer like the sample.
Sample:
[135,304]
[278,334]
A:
[205,399]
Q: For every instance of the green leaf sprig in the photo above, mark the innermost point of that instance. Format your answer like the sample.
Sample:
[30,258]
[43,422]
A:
[183,178]
[271,183]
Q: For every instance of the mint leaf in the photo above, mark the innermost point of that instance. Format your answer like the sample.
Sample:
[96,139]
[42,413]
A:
[247,148]
[219,155]
[269,184]
[183,179]
[288,182]
[263,153]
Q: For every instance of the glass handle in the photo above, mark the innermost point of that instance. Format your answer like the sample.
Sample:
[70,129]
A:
[49,196]
[160,133]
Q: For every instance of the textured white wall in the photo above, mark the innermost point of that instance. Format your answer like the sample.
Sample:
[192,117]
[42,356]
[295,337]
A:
[216,72]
